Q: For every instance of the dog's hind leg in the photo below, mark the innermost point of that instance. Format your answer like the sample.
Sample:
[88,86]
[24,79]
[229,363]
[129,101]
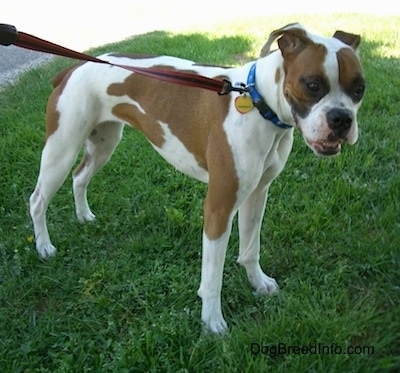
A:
[58,156]
[99,148]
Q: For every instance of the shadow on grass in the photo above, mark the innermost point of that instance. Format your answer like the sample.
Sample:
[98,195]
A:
[202,48]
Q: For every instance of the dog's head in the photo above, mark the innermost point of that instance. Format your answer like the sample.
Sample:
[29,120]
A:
[323,82]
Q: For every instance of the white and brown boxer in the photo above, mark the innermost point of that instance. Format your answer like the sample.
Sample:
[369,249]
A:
[311,82]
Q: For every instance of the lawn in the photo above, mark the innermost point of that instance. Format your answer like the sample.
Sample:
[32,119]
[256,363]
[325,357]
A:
[120,295]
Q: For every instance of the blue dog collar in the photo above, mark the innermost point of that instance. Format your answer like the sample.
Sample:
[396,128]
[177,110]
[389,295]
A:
[258,101]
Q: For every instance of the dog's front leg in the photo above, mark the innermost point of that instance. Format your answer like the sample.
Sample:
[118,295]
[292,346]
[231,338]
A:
[250,220]
[211,282]
[218,215]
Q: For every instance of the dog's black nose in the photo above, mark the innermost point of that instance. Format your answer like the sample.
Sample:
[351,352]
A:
[340,121]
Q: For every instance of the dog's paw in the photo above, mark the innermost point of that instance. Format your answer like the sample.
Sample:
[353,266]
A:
[267,285]
[46,250]
[86,216]
[216,325]
[211,315]
[263,284]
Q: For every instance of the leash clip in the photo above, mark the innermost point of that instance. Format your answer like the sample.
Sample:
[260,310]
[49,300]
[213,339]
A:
[228,88]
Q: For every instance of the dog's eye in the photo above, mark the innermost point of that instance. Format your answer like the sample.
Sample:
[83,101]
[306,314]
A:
[359,91]
[313,87]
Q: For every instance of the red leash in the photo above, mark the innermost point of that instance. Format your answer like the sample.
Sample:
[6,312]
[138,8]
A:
[9,35]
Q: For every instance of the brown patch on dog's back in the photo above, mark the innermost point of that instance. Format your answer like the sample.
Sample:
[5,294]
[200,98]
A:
[195,116]
[189,112]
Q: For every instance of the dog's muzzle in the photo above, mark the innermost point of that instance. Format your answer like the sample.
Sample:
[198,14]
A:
[339,122]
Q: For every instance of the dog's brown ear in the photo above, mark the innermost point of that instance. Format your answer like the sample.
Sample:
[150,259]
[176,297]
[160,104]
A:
[294,39]
[350,39]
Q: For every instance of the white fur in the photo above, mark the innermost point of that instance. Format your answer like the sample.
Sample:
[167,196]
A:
[176,153]
[260,152]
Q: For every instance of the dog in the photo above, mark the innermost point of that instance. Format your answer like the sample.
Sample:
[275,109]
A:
[237,143]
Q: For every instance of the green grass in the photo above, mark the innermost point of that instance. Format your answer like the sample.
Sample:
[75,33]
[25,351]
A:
[120,296]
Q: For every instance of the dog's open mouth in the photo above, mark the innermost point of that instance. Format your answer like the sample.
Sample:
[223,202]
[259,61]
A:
[326,147]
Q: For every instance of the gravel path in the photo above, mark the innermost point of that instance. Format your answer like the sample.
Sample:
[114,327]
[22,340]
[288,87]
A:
[15,60]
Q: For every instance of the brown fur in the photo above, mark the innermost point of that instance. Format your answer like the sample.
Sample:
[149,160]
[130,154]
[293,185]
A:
[350,70]
[311,60]
[59,82]
[195,116]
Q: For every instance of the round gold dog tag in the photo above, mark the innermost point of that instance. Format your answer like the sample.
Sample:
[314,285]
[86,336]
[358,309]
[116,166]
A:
[243,104]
